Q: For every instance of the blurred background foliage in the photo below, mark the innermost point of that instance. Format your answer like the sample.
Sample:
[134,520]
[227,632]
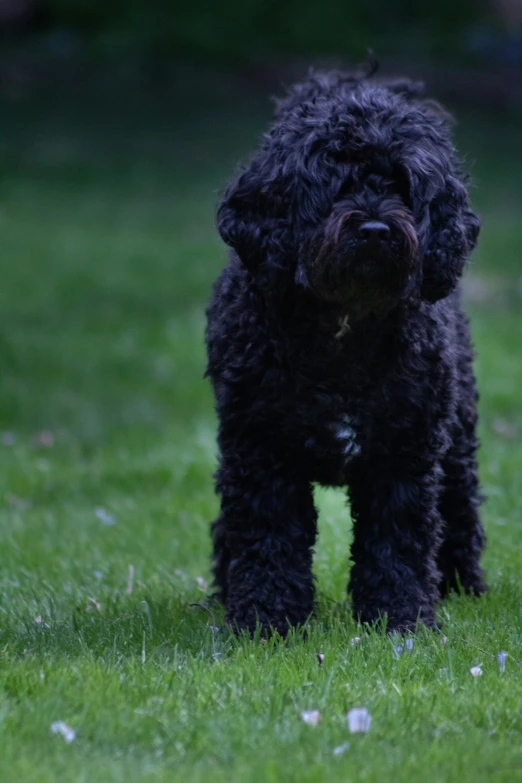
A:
[245,30]
[239,32]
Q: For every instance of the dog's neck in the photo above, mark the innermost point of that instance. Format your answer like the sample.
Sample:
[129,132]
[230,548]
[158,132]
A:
[317,336]
[301,313]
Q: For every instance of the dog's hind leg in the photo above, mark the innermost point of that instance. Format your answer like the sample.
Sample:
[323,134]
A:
[464,539]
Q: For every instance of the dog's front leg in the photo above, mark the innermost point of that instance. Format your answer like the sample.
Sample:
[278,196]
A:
[263,543]
[397,534]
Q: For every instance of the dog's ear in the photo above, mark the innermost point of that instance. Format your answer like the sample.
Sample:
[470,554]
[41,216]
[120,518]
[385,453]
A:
[452,232]
[253,220]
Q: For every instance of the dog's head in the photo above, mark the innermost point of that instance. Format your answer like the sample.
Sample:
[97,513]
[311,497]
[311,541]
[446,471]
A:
[355,195]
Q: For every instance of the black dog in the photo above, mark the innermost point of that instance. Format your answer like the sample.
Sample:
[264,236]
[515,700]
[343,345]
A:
[339,354]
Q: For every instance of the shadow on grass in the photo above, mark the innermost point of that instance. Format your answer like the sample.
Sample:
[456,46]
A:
[169,630]
[164,629]
[123,627]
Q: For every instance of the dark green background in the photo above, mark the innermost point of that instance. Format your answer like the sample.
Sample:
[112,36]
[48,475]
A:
[243,31]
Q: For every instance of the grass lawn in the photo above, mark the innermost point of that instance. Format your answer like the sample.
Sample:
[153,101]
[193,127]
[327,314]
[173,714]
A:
[107,448]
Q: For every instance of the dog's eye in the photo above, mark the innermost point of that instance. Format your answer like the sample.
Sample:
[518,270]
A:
[350,183]
[403,184]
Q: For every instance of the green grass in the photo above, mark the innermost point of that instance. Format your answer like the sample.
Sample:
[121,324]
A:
[108,253]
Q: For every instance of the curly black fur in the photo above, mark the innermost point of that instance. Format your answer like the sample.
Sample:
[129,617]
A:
[339,353]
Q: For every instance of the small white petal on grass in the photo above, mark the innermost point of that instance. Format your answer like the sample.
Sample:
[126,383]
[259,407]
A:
[311,717]
[40,623]
[399,650]
[476,671]
[501,658]
[64,730]
[409,645]
[98,574]
[443,641]
[359,720]
[355,640]
[320,658]
[202,584]
[94,604]
[340,749]
[130,581]
[104,517]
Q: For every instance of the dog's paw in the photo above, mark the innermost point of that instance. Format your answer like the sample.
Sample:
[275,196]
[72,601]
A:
[408,626]
[470,583]
[255,625]
[402,621]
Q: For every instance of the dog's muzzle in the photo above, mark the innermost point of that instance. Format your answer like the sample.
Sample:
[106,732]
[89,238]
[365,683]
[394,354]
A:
[363,249]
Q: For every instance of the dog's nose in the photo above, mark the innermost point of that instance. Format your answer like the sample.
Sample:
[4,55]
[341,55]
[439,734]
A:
[374,230]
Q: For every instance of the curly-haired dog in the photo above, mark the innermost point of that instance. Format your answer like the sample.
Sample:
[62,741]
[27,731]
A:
[339,354]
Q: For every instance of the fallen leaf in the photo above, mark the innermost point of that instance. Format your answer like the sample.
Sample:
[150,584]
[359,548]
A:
[44,439]
[21,504]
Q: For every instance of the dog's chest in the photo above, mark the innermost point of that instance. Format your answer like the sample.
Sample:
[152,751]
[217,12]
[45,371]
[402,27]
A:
[332,434]
[332,407]
[347,437]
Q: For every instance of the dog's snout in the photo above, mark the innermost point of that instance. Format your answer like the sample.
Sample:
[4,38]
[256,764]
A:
[374,230]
